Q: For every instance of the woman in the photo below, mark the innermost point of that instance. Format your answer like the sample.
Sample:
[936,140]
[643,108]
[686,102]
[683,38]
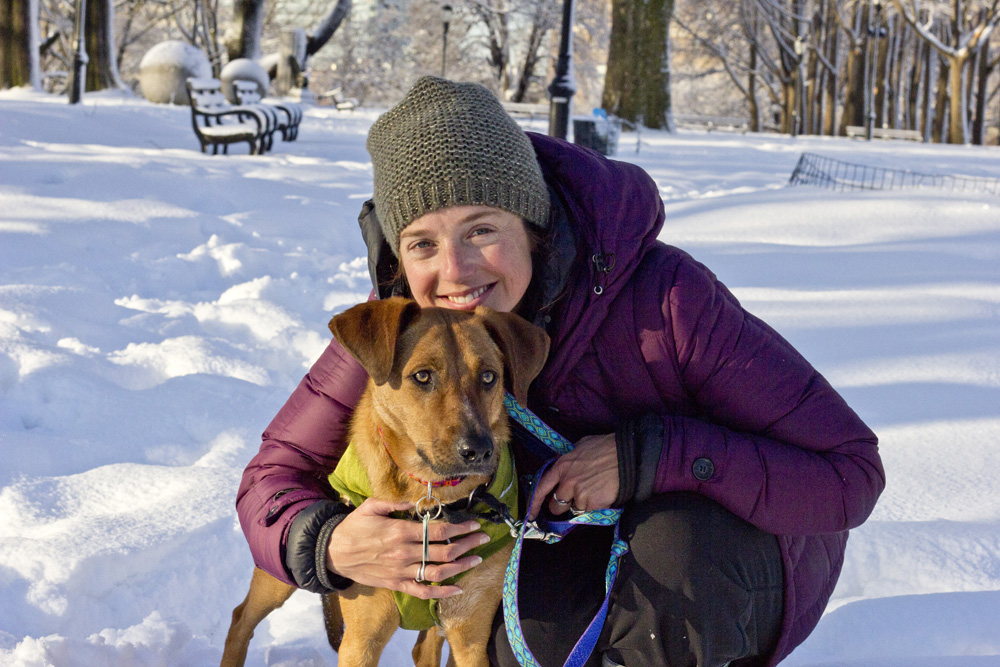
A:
[739,468]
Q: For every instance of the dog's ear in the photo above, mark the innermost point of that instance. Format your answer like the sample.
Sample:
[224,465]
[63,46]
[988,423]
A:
[370,332]
[525,348]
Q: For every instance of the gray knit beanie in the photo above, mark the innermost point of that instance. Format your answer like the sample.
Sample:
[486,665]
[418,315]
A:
[448,144]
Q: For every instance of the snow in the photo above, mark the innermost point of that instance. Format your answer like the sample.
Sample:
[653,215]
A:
[157,306]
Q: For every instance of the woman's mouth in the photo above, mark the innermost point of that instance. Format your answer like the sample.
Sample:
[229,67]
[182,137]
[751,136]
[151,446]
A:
[469,297]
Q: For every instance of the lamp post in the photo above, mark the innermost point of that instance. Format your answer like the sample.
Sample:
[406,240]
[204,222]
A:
[874,32]
[798,112]
[446,13]
[80,58]
[563,86]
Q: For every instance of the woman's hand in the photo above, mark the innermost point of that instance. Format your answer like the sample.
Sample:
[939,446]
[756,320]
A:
[374,549]
[584,479]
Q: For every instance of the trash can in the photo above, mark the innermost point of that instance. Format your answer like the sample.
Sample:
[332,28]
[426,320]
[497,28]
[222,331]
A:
[599,133]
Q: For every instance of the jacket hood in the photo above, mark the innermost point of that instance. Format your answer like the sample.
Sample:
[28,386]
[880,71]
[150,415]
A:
[615,213]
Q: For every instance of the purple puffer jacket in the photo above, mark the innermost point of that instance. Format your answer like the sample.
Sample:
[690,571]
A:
[664,337]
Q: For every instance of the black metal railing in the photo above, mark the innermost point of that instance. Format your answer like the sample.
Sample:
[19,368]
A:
[827,172]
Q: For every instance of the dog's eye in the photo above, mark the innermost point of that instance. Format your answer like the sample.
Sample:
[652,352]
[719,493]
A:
[489,377]
[422,377]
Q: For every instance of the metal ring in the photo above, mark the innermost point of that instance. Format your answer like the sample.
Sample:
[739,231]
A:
[576,512]
[420,574]
[421,511]
[558,501]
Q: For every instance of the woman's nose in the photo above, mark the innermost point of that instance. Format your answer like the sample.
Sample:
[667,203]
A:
[458,262]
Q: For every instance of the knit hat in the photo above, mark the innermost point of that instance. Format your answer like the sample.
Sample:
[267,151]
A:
[448,144]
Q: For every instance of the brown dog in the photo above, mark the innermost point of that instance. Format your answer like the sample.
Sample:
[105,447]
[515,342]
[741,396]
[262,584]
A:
[433,410]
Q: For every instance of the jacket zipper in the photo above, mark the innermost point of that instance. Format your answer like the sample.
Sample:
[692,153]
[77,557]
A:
[603,263]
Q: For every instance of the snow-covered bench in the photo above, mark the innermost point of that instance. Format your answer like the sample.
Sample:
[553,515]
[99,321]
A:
[218,123]
[858,131]
[286,115]
[526,109]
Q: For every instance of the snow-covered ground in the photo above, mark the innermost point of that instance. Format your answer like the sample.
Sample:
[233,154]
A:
[157,306]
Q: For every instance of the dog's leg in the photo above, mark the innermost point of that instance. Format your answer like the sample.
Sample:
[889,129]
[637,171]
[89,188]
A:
[427,651]
[468,618]
[265,595]
[333,619]
[370,617]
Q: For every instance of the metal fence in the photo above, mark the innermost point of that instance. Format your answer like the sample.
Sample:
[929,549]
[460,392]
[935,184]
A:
[827,172]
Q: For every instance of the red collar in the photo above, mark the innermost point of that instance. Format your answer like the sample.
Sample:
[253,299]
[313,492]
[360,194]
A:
[453,481]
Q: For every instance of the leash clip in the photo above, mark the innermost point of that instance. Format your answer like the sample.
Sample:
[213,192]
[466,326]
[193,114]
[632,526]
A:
[426,518]
[532,531]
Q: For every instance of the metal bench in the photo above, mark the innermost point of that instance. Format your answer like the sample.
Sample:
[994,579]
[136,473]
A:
[218,123]
[860,132]
[286,115]
[335,96]
[527,109]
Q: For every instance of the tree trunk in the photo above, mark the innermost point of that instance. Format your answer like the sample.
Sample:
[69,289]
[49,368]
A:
[958,126]
[322,34]
[916,74]
[930,75]
[755,117]
[982,94]
[19,59]
[637,82]
[941,102]
[102,69]
[243,37]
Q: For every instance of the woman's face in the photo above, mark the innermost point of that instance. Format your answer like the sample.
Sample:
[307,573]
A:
[461,257]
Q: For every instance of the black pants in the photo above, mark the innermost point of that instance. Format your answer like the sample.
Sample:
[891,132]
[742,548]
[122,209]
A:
[699,588]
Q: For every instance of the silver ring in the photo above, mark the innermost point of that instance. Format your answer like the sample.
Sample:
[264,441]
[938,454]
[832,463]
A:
[559,502]
[576,512]
[420,574]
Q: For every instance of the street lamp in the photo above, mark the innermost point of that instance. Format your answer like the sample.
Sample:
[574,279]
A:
[875,31]
[563,86]
[798,111]
[80,58]
[446,13]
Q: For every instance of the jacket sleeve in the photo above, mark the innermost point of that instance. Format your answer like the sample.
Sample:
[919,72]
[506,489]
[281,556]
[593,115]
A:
[768,437]
[300,447]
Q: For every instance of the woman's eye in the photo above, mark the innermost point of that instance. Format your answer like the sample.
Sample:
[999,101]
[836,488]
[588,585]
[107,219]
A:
[489,377]
[422,377]
[480,231]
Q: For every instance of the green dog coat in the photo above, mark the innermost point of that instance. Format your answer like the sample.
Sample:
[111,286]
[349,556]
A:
[351,482]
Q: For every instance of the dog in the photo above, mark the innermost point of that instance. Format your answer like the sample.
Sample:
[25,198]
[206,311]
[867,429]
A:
[432,411]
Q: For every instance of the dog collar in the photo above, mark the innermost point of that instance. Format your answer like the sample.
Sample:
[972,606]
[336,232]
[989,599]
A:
[452,481]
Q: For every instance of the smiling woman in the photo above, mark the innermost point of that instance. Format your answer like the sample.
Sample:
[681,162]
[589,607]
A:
[738,468]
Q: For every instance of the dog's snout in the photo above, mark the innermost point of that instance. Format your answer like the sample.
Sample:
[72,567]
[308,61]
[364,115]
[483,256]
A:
[475,448]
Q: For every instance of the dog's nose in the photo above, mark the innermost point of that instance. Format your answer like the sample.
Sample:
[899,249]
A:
[475,448]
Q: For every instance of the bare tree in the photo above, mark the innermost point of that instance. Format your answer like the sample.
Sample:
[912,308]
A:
[970,30]
[19,49]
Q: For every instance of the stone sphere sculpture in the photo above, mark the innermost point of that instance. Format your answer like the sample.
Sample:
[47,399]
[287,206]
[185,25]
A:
[164,71]
[243,69]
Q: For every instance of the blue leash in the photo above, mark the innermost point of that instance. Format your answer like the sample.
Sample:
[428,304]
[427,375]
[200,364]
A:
[553,532]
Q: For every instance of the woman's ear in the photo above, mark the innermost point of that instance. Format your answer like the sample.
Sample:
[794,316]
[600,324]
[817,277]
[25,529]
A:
[524,346]
[370,332]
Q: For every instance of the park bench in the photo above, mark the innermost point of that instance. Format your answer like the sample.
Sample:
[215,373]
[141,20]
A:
[337,100]
[285,116]
[218,123]
[860,132]
[527,109]
[712,123]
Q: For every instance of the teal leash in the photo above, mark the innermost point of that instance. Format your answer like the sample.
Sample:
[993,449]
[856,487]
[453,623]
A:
[553,532]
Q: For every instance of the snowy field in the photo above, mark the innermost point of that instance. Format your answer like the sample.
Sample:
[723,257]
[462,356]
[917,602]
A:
[157,306]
